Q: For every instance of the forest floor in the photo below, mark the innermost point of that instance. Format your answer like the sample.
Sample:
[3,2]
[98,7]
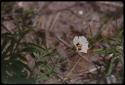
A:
[57,23]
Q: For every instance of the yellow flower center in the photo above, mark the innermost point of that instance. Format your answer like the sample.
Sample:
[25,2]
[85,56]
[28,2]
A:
[78,46]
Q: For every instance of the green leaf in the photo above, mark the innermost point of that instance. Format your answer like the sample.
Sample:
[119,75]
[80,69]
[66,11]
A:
[32,45]
[111,65]
[5,40]
[99,51]
[5,46]
[29,49]
[42,77]
[10,47]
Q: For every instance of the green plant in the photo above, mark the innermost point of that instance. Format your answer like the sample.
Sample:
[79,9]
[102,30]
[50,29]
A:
[14,49]
[113,50]
[12,57]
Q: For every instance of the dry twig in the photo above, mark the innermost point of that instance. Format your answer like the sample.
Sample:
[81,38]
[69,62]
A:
[70,72]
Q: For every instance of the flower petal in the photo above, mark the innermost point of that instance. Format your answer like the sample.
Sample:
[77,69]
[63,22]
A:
[75,40]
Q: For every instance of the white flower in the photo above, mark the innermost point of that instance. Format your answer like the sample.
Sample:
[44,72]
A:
[80,43]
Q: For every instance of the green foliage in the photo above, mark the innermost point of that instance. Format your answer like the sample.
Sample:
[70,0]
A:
[12,58]
[14,49]
[44,70]
[115,47]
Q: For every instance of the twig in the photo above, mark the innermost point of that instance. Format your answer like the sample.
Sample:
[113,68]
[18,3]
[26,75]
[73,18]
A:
[70,72]
[91,70]
[65,43]
[59,77]
[47,28]
[84,57]
[49,21]
[54,21]
[5,27]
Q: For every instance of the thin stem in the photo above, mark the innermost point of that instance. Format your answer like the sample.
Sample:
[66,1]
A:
[54,21]
[7,29]
[70,72]
[64,42]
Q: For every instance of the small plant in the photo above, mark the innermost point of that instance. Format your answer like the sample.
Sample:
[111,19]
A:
[14,49]
[112,53]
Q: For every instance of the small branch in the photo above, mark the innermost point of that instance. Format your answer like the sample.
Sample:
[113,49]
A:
[54,21]
[62,80]
[84,57]
[5,27]
[47,28]
[91,70]
[70,72]
[65,43]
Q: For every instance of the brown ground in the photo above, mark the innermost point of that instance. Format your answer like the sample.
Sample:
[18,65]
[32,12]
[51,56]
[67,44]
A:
[62,19]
